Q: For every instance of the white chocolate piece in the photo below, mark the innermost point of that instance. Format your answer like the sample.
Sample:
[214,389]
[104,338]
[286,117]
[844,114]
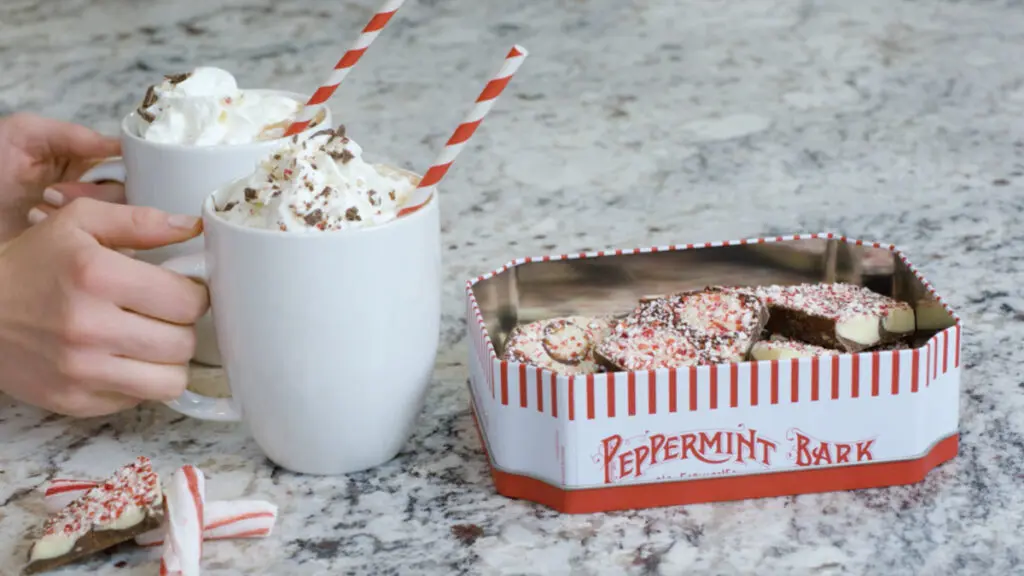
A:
[780,348]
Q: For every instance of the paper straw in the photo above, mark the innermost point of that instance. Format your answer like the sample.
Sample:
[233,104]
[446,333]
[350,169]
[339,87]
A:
[421,195]
[341,69]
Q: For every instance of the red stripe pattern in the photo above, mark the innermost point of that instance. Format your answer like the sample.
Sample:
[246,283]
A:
[492,90]
[838,377]
[341,69]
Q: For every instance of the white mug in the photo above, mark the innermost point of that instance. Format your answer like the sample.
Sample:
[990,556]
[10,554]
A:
[328,339]
[177,178]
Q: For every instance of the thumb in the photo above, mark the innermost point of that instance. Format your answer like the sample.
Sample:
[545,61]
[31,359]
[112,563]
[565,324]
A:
[122,226]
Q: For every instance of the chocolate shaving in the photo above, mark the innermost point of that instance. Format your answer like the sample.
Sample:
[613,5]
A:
[373,197]
[177,78]
[314,217]
[327,191]
[322,132]
[391,195]
[341,131]
[250,194]
[352,215]
[228,206]
[150,98]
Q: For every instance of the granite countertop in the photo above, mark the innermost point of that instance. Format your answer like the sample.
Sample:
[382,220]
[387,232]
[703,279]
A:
[633,122]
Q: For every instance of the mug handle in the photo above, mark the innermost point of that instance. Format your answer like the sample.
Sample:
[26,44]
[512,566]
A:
[109,170]
[190,403]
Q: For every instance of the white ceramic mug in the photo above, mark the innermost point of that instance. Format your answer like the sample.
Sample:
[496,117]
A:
[328,339]
[177,178]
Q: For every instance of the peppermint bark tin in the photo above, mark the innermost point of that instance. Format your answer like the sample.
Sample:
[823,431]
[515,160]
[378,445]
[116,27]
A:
[789,425]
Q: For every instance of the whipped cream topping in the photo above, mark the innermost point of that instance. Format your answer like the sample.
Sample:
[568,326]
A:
[320,183]
[205,107]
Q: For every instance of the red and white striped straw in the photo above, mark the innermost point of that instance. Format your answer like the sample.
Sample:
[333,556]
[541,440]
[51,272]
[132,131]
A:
[462,134]
[341,69]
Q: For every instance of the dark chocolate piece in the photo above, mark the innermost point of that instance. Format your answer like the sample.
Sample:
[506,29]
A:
[840,316]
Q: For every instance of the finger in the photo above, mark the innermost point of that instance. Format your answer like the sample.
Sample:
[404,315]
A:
[39,213]
[143,288]
[142,338]
[84,402]
[130,377]
[64,138]
[142,380]
[60,194]
[136,227]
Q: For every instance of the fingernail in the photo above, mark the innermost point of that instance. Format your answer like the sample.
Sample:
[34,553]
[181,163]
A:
[35,216]
[53,197]
[182,221]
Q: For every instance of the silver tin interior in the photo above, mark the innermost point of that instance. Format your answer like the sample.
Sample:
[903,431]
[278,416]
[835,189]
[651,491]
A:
[613,284]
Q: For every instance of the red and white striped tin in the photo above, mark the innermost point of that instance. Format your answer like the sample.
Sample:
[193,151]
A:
[631,440]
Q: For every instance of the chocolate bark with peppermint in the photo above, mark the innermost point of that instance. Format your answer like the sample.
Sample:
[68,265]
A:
[839,316]
[125,505]
[562,345]
[709,326]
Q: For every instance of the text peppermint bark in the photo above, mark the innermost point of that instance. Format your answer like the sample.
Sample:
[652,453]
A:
[633,458]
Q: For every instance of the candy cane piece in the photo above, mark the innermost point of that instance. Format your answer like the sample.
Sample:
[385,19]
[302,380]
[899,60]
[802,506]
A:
[60,492]
[225,520]
[183,546]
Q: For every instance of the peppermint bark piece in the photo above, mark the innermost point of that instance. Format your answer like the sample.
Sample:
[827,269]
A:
[841,316]
[115,511]
[709,326]
[562,345]
[782,348]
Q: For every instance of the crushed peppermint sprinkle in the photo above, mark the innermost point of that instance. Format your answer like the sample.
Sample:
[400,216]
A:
[134,485]
[711,326]
[562,345]
[836,302]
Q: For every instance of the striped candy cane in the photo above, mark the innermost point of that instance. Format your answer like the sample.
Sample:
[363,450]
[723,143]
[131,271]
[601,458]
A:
[183,541]
[222,519]
[342,68]
[465,131]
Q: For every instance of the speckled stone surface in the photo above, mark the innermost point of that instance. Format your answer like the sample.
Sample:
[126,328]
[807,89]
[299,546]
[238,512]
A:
[634,122]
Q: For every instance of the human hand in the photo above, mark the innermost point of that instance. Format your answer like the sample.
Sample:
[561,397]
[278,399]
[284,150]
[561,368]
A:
[86,330]
[40,154]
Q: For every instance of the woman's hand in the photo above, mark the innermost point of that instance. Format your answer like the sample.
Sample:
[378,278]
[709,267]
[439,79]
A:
[86,330]
[40,154]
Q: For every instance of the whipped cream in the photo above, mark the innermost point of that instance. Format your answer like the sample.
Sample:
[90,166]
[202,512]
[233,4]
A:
[320,183]
[205,107]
